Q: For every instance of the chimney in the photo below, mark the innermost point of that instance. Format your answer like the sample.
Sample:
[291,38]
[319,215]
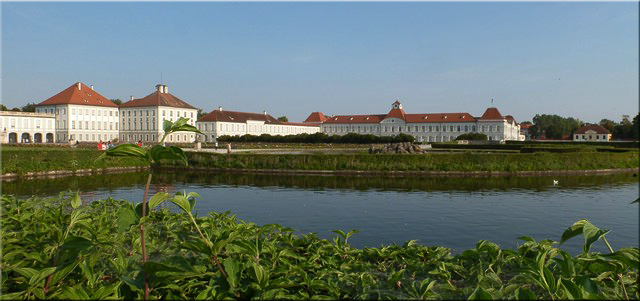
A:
[265,113]
[159,88]
[79,86]
[91,87]
[131,97]
[166,89]
[220,108]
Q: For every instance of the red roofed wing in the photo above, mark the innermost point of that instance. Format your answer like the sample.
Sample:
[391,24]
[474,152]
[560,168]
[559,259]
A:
[83,96]
[492,113]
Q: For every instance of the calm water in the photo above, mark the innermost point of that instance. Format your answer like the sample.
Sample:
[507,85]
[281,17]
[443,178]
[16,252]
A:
[451,212]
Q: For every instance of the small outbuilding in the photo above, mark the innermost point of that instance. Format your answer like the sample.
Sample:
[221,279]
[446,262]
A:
[592,132]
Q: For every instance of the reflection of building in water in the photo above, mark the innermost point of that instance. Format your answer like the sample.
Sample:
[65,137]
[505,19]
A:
[88,196]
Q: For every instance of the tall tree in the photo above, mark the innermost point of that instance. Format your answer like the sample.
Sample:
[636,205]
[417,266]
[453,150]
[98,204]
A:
[201,113]
[30,107]
[608,124]
[553,126]
[3,108]
[116,101]
[635,130]
[283,118]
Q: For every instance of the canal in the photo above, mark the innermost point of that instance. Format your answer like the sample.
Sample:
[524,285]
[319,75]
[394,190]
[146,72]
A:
[454,212]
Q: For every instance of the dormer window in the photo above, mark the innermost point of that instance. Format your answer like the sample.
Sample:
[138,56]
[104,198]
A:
[351,118]
[444,117]
[462,117]
[367,118]
[425,117]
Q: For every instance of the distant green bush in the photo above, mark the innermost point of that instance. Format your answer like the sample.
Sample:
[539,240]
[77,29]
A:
[429,162]
[624,144]
[351,138]
[472,136]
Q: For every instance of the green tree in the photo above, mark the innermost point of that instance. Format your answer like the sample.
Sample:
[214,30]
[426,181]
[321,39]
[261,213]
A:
[116,101]
[16,109]
[201,113]
[30,107]
[553,126]
[283,118]
[608,124]
[635,130]
[3,108]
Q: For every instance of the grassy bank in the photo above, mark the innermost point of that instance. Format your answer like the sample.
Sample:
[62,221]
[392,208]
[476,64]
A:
[21,160]
[59,249]
[428,162]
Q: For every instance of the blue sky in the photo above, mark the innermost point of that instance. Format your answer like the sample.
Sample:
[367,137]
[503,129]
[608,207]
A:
[571,59]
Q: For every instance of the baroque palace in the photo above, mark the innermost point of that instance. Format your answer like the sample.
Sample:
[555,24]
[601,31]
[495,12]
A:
[79,113]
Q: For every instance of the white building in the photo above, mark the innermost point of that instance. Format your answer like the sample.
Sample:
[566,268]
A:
[436,127]
[220,123]
[26,127]
[142,118]
[591,132]
[81,114]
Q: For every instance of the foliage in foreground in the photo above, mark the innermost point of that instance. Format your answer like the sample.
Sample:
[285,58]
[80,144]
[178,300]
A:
[58,248]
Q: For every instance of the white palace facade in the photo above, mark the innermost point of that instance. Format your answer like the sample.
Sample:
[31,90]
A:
[142,118]
[220,123]
[433,127]
[79,113]
[27,127]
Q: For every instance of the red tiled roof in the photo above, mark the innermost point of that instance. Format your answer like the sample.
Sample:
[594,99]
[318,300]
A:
[83,96]
[593,127]
[299,124]
[396,113]
[440,117]
[316,117]
[409,118]
[231,116]
[157,98]
[356,119]
[491,113]
[525,125]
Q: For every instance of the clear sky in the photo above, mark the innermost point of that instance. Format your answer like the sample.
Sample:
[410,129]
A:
[570,59]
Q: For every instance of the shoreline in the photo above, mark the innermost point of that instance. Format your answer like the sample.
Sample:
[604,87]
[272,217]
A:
[400,173]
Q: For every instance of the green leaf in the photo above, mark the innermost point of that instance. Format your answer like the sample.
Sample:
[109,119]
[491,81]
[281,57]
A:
[574,230]
[26,272]
[182,202]
[159,152]
[571,289]
[261,276]
[126,218]
[76,243]
[480,294]
[157,199]
[166,127]
[152,268]
[76,202]
[629,256]
[591,235]
[72,293]
[126,150]
[232,268]
[525,294]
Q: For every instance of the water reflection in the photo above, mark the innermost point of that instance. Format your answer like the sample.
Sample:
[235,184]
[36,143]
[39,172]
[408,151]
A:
[165,182]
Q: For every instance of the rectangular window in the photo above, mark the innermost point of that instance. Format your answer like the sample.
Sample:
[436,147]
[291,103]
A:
[73,124]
